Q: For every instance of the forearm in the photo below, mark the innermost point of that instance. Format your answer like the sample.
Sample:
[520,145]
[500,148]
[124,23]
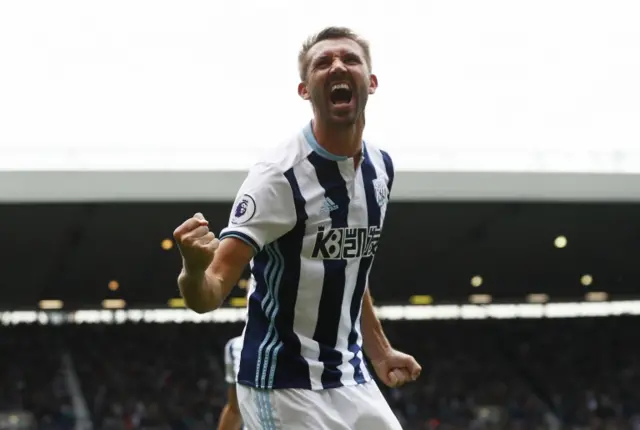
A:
[200,290]
[230,419]
[375,343]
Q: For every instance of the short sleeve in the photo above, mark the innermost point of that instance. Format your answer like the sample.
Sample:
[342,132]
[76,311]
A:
[263,210]
[229,368]
[388,165]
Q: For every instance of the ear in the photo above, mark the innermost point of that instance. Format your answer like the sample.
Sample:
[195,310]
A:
[303,92]
[373,83]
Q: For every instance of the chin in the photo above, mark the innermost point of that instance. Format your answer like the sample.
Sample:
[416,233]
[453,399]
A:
[346,117]
[343,121]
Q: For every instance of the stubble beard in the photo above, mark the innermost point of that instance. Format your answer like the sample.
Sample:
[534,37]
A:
[322,111]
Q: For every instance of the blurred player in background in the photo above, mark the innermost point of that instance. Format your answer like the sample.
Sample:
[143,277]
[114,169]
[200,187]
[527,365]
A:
[308,219]
[230,418]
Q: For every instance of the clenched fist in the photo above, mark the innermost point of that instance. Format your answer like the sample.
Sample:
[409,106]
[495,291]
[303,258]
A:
[196,243]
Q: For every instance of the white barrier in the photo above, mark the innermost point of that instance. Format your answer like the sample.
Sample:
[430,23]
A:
[392,313]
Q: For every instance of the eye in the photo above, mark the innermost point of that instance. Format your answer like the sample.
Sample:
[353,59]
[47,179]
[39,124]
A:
[352,59]
[322,63]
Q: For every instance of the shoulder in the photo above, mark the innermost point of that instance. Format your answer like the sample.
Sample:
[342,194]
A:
[378,152]
[383,163]
[380,157]
[272,173]
[287,154]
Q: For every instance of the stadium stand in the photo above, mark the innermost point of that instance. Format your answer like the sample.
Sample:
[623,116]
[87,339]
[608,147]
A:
[538,373]
[33,386]
[580,373]
[151,376]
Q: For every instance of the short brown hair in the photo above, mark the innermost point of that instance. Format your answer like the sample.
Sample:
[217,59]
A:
[327,34]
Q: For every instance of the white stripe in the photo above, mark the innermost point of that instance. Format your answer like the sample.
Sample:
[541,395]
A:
[381,172]
[308,300]
[376,158]
[363,366]
[357,218]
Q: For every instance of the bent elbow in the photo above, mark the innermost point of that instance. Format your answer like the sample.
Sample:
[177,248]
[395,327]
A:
[199,308]
[234,408]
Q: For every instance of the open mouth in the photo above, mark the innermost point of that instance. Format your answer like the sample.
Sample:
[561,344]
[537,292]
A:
[341,94]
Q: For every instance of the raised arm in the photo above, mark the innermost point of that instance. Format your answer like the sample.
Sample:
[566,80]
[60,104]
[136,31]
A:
[210,268]
[263,212]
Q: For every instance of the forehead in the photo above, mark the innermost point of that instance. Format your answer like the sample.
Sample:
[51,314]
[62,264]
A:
[335,47]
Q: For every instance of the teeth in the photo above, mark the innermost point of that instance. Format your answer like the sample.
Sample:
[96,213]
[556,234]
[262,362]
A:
[342,86]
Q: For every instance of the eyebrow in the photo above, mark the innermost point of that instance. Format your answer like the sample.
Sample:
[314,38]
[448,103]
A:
[321,57]
[326,55]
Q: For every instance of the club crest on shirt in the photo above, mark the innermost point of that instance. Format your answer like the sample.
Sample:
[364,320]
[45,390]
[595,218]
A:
[244,209]
[381,191]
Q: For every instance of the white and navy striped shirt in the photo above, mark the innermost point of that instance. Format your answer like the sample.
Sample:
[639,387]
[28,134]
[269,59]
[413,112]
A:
[314,220]
[232,351]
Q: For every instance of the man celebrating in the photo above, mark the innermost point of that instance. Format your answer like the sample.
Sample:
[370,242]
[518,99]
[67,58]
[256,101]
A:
[308,219]
[230,418]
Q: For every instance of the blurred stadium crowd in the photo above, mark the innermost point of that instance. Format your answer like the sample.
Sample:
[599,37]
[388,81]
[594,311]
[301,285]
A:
[581,373]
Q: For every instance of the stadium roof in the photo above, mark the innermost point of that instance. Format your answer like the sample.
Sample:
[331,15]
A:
[71,252]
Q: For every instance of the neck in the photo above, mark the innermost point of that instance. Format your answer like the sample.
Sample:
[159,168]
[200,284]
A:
[345,141]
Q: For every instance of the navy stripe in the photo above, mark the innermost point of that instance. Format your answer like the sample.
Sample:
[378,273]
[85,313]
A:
[330,308]
[257,323]
[243,237]
[373,215]
[274,347]
[292,371]
[273,274]
[266,307]
[388,165]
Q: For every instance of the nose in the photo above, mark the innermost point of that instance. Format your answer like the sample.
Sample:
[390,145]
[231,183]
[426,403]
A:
[338,67]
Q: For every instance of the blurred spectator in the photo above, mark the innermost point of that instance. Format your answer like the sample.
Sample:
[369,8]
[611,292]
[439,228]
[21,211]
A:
[31,376]
[484,375]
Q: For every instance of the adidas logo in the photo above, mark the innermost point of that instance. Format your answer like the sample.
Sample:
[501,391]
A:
[328,206]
